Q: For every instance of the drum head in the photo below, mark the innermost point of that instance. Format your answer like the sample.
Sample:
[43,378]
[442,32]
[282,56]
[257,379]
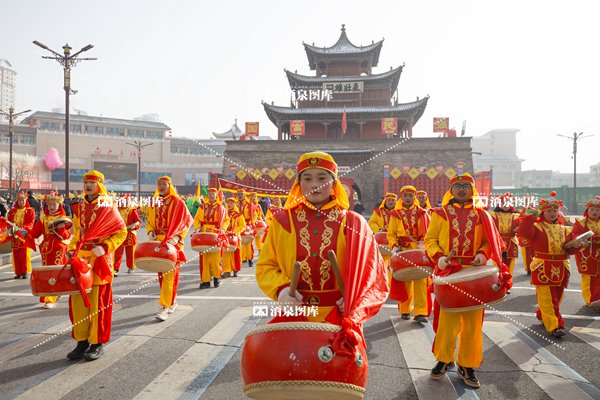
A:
[61,220]
[412,273]
[582,237]
[466,274]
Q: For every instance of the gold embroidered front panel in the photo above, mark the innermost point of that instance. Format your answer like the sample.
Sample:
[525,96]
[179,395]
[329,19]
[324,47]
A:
[504,222]
[556,236]
[410,221]
[462,229]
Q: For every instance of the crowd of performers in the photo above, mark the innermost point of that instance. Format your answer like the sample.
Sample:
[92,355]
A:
[314,251]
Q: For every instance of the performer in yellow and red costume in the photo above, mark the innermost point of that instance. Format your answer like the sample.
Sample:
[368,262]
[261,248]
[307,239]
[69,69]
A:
[260,216]
[457,225]
[423,199]
[408,224]
[132,220]
[588,259]
[97,232]
[168,222]
[273,209]
[247,209]
[54,246]
[22,217]
[315,220]
[211,217]
[232,261]
[380,219]
[550,266]
[507,221]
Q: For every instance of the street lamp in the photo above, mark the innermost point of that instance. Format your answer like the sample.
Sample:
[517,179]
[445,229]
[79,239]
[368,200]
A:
[139,146]
[67,60]
[11,130]
[576,136]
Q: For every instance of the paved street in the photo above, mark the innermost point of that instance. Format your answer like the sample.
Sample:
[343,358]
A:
[196,352]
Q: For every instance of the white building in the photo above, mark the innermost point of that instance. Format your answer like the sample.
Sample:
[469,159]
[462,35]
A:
[497,151]
[7,86]
[595,175]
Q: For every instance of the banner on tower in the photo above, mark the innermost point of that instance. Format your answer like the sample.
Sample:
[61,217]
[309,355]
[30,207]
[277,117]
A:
[297,128]
[389,126]
[441,124]
[251,128]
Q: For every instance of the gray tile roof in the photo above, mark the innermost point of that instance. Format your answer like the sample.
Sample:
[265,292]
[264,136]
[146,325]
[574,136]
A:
[297,80]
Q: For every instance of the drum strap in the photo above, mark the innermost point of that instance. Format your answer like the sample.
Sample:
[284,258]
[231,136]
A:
[550,257]
[321,298]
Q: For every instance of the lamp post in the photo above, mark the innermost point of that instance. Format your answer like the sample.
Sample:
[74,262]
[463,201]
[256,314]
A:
[575,138]
[11,131]
[139,146]
[67,60]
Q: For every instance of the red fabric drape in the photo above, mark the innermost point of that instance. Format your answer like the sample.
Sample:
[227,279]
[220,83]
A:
[181,220]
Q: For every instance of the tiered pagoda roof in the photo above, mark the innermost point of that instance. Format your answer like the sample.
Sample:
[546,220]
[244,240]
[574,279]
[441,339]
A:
[342,49]
[233,133]
[298,81]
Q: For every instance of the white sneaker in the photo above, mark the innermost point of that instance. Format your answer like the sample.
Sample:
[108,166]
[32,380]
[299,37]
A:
[171,309]
[49,305]
[162,314]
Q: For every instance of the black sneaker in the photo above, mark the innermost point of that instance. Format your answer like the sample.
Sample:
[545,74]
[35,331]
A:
[204,285]
[216,282]
[17,277]
[468,375]
[250,263]
[440,369]
[558,333]
[24,276]
[94,352]
[235,274]
[421,318]
[405,316]
[116,274]
[79,351]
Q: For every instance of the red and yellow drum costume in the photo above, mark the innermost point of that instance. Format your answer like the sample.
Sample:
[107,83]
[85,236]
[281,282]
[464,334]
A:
[24,218]
[54,246]
[380,219]
[407,227]
[168,219]
[132,223]
[260,216]
[94,323]
[232,261]
[210,217]
[588,259]
[550,266]
[462,228]
[273,209]
[250,217]
[421,194]
[507,223]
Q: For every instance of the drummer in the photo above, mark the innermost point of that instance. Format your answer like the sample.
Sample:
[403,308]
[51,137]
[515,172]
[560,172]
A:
[423,200]
[550,267]
[169,220]
[92,325]
[588,259]
[507,221]
[315,220]
[250,217]
[457,225]
[273,209]
[22,217]
[408,224]
[260,216]
[56,234]
[232,261]
[132,220]
[210,217]
[380,219]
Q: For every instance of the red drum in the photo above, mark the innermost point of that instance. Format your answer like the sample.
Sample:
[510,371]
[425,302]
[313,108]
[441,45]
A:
[382,242]
[233,243]
[247,236]
[205,242]
[58,280]
[294,360]
[260,227]
[151,256]
[469,289]
[411,265]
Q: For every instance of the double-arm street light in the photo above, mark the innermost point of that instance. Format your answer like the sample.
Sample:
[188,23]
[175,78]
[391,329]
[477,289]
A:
[575,138]
[67,60]
[11,115]
[139,146]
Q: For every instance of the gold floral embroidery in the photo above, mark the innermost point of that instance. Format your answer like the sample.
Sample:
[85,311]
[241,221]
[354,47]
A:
[468,228]
[304,242]
[325,270]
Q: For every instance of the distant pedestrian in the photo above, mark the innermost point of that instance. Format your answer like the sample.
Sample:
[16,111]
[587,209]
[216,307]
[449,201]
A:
[359,208]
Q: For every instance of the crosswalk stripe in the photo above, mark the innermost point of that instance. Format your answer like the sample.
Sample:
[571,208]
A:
[588,335]
[71,378]
[419,359]
[546,370]
[181,379]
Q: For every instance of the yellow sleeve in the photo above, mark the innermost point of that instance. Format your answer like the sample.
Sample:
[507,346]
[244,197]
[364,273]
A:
[226,222]
[151,215]
[115,240]
[199,217]
[434,241]
[376,222]
[76,237]
[269,217]
[395,230]
[240,225]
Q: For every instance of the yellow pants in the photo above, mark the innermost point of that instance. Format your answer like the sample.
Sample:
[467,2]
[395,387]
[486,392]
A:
[417,292]
[467,327]
[21,260]
[168,282]
[247,251]
[210,266]
[549,299]
[228,261]
[92,324]
[590,288]
[259,242]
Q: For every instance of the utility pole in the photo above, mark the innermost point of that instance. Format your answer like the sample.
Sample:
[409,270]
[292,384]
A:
[67,60]
[575,138]
[139,146]
[11,131]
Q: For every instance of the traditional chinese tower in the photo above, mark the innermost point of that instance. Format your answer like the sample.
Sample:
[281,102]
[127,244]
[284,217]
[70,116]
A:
[344,84]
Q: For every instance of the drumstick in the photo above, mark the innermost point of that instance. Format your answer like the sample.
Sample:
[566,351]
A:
[336,269]
[295,278]
[451,254]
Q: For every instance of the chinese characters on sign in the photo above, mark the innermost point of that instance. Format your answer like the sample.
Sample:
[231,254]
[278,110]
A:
[297,127]
[389,126]
[312,94]
[441,124]
[346,87]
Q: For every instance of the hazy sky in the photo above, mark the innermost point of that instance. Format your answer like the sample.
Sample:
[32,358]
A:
[530,65]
